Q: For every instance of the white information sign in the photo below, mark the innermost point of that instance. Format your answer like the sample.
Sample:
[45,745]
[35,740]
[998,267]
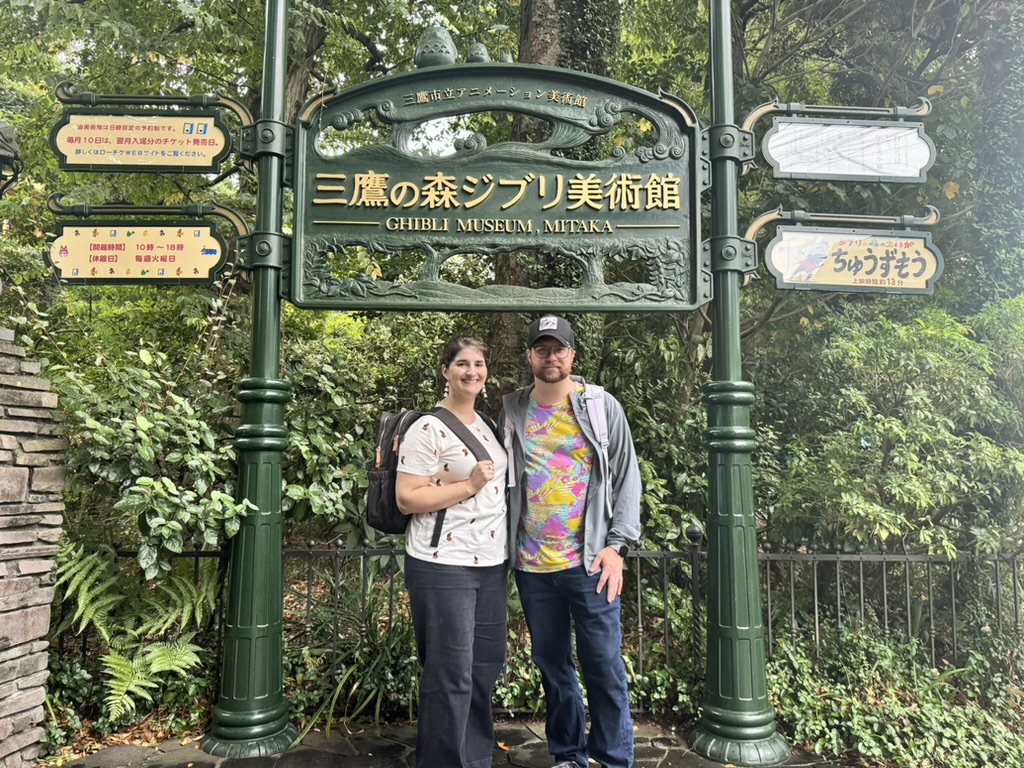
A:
[864,150]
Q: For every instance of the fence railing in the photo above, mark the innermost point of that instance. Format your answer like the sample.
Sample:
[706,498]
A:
[342,601]
[928,598]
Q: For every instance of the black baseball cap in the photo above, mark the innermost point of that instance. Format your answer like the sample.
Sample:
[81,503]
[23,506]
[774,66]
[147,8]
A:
[557,328]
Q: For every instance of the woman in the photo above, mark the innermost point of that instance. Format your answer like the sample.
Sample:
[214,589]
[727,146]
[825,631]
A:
[456,576]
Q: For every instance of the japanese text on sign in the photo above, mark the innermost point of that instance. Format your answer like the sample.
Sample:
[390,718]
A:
[146,252]
[810,257]
[619,192]
[188,141]
[552,95]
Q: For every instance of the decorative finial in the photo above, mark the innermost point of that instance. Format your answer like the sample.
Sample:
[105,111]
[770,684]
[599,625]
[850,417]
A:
[435,48]
[477,53]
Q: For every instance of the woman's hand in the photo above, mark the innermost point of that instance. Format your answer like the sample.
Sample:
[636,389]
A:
[481,475]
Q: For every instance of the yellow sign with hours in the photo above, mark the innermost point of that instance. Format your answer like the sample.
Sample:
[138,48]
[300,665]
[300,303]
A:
[146,252]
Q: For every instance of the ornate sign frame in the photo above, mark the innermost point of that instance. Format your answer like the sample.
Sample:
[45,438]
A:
[136,252]
[635,211]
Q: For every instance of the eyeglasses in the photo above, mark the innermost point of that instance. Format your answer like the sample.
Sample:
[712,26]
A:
[545,352]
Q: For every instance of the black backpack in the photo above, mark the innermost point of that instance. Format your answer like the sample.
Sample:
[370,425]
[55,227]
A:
[382,511]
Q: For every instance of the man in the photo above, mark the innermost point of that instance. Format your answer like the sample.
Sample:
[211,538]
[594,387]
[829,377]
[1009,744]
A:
[574,510]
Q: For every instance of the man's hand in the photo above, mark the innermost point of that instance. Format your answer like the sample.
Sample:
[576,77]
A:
[609,562]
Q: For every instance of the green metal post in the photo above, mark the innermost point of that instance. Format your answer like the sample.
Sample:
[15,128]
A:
[738,723]
[251,715]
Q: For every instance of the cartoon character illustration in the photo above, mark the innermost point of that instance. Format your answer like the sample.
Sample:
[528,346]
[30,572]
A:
[62,253]
[810,260]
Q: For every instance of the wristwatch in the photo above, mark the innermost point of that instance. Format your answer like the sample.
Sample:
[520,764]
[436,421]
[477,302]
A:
[622,549]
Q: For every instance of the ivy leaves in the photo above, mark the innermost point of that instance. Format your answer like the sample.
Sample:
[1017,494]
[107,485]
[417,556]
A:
[159,457]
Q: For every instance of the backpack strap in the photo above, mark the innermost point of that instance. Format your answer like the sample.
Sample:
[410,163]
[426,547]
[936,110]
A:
[593,395]
[468,439]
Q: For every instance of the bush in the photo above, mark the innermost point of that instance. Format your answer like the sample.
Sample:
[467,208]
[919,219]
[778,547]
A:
[878,703]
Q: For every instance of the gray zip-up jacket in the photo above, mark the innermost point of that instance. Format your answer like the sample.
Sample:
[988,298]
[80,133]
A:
[612,516]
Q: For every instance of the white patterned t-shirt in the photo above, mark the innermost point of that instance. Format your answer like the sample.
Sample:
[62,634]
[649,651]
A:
[475,530]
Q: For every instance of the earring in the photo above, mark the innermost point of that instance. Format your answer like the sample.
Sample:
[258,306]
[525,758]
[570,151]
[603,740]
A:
[483,391]
[446,390]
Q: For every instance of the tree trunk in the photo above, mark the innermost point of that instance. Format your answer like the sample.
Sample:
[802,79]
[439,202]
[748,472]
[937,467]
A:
[573,34]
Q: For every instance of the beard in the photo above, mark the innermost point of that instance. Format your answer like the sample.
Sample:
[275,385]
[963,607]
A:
[551,375]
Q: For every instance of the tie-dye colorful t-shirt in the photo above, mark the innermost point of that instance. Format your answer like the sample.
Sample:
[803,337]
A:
[558,463]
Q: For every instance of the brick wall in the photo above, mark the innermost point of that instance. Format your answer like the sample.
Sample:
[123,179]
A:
[31,509]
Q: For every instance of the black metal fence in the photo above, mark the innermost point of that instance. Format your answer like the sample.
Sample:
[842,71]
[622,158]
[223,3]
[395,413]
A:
[341,603]
[928,598]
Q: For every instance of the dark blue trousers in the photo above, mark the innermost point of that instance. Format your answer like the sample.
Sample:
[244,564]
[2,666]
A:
[552,604]
[461,622]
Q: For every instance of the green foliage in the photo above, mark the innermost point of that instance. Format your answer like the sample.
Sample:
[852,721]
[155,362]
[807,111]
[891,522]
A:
[357,659]
[154,639]
[519,687]
[71,698]
[90,579]
[907,440]
[158,457]
[644,363]
[875,702]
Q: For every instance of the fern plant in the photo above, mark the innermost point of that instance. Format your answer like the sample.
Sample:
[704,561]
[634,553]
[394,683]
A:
[150,632]
[90,582]
[131,678]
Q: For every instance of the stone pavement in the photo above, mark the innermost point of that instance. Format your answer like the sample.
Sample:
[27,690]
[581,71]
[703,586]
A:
[520,743]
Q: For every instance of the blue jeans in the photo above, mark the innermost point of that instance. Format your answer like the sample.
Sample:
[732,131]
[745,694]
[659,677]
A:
[460,619]
[552,603]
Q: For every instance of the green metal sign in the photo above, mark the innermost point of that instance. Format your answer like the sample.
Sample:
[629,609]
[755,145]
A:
[633,214]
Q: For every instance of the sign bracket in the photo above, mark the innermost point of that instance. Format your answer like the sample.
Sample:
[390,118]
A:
[918,109]
[269,137]
[264,249]
[731,252]
[193,211]
[205,100]
[729,142]
[800,218]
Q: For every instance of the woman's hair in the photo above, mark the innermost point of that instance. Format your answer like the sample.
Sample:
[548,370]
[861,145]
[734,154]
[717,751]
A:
[458,343]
